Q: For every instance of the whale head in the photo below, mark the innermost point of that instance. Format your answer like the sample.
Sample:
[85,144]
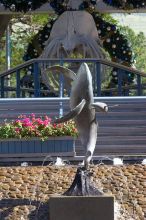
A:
[84,74]
[82,87]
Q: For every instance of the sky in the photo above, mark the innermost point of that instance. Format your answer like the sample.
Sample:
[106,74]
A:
[135,21]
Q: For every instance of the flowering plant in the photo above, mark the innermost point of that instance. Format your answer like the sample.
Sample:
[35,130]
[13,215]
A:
[32,126]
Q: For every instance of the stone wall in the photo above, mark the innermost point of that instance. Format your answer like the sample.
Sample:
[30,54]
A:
[24,191]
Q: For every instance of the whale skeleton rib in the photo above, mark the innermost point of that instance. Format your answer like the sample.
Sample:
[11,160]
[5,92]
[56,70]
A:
[73,113]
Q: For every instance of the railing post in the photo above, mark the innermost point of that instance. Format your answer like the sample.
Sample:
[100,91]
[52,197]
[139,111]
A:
[36,80]
[18,83]
[120,77]
[2,87]
[98,77]
[139,86]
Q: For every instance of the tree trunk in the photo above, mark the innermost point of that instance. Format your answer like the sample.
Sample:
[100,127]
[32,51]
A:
[4,21]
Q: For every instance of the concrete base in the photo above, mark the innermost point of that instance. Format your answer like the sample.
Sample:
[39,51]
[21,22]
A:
[81,208]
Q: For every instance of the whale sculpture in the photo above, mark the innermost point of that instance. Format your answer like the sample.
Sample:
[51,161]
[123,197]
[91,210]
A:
[83,108]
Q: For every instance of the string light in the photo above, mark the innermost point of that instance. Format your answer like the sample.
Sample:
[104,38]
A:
[126,4]
[23,5]
[61,6]
[117,45]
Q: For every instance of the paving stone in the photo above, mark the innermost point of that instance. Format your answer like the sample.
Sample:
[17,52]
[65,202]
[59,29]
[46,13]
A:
[24,189]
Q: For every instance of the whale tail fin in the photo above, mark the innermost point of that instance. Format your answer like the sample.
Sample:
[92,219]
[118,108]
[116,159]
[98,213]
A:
[65,71]
[50,76]
[73,113]
[100,106]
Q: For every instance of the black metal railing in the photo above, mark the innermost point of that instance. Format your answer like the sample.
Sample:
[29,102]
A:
[100,70]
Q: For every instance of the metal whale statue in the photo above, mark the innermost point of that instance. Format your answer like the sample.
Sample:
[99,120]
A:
[83,108]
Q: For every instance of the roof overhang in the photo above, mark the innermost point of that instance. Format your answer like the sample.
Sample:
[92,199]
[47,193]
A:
[101,7]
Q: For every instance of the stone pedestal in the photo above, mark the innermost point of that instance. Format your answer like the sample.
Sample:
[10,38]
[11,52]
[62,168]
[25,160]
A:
[81,208]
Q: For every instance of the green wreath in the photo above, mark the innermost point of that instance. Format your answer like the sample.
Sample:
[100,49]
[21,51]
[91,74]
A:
[127,4]
[22,5]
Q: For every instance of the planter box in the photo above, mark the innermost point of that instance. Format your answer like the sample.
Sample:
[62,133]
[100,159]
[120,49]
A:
[54,146]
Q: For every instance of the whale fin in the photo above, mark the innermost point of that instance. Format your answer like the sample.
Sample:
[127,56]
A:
[73,113]
[100,106]
[60,69]
[51,77]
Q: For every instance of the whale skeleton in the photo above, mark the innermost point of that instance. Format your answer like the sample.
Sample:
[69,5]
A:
[83,108]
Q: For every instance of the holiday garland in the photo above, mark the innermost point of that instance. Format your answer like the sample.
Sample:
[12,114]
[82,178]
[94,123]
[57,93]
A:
[126,4]
[34,50]
[37,44]
[61,6]
[22,5]
[116,44]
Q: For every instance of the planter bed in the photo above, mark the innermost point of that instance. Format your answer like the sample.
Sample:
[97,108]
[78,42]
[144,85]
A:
[54,146]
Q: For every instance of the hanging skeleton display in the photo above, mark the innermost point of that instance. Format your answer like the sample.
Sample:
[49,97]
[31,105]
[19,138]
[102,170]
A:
[79,31]
[73,32]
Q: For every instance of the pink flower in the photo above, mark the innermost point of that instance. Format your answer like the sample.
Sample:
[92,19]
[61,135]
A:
[46,122]
[17,130]
[39,121]
[47,118]
[54,125]
[40,127]
[17,121]
[26,120]
[33,127]
[33,115]
[28,124]
[33,119]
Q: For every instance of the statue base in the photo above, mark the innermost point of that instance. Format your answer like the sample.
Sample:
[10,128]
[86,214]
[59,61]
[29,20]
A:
[81,208]
[81,185]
